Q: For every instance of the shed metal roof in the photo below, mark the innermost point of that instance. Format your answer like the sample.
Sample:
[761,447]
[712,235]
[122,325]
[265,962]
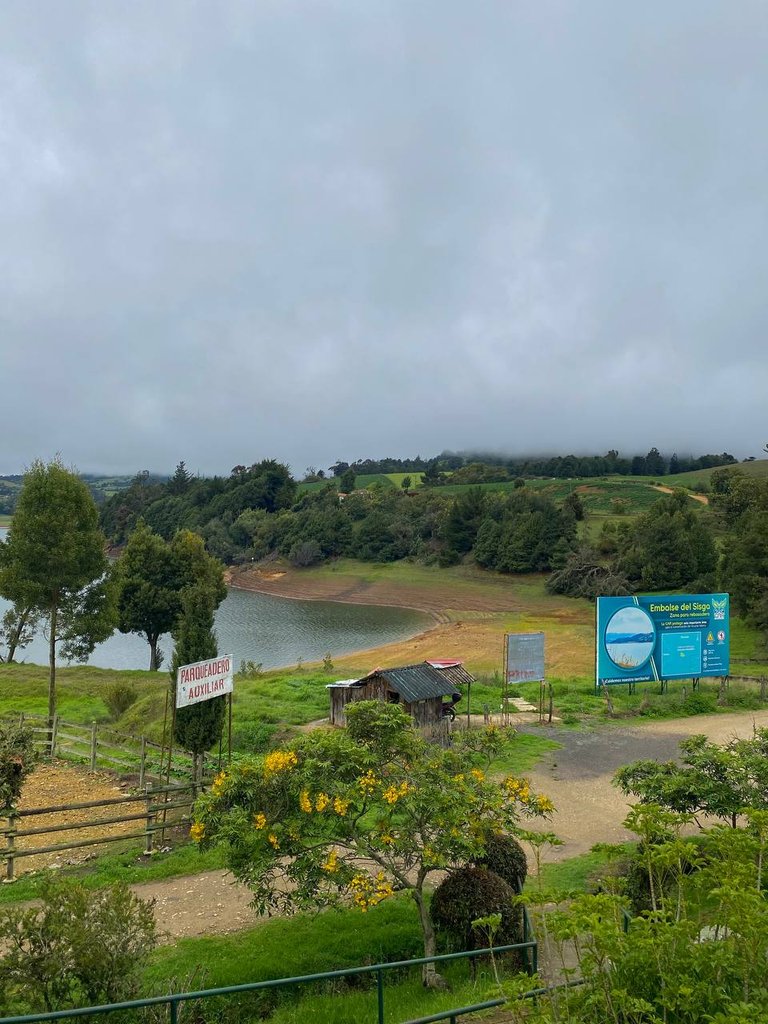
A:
[417,682]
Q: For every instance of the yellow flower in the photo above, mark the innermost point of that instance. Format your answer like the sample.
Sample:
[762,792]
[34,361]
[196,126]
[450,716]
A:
[391,795]
[477,774]
[259,821]
[367,782]
[273,841]
[279,761]
[388,839]
[305,803]
[544,804]
[218,783]
[197,831]
[332,863]
[340,805]
[322,802]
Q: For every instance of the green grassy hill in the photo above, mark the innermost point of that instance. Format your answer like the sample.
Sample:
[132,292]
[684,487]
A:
[757,468]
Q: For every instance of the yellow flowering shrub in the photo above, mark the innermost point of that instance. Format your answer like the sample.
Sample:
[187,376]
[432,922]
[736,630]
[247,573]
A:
[367,782]
[279,761]
[259,821]
[217,785]
[332,863]
[321,802]
[340,805]
[367,891]
[273,841]
[305,801]
[197,831]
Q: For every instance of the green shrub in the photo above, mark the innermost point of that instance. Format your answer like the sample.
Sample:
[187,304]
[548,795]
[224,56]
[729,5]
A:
[506,858]
[17,760]
[468,894]
[119,697]
[79,947]
[254,737]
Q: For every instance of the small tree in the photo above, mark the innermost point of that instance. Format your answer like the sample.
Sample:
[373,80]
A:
[198,726]
[78,947]
[347,481]
[53,562]
[319,815]
[18,628]
[149,578]
[405,483]
[17,761]
[720,781]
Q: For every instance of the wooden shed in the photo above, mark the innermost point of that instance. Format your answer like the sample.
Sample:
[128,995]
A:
[422,690]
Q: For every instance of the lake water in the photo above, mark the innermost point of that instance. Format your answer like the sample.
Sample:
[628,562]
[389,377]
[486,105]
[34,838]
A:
[272,630]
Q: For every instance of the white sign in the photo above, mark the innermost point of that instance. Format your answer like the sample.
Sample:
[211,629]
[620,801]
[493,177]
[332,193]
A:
[204,680]
[525,657]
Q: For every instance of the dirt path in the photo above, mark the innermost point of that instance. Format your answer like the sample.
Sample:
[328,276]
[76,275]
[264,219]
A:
[578,777]
[701,498]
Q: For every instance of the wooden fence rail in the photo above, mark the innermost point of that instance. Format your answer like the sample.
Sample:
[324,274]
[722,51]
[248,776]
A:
[101,747]
[158,801]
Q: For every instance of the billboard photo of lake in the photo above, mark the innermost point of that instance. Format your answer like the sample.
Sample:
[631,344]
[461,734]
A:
[630,637]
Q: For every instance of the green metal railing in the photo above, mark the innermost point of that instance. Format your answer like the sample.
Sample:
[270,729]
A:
[172,1000]
[451,1015]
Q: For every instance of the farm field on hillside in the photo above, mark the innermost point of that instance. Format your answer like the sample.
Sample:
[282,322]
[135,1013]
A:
[759,468]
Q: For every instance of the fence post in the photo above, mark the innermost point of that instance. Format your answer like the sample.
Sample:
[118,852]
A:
[143,762]
[763,687]
[54,735]
[380,995]
[150,835]
[21,720]
[10,844]
[94,741]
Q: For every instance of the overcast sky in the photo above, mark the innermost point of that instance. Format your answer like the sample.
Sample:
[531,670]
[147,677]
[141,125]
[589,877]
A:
[323,229]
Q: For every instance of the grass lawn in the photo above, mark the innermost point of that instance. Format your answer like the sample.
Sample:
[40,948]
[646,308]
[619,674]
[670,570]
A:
[307,944]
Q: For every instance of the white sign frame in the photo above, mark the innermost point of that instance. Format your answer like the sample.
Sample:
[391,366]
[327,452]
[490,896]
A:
[204,680]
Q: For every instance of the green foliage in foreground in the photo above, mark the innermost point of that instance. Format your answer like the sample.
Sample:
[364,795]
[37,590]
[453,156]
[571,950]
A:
[75,948]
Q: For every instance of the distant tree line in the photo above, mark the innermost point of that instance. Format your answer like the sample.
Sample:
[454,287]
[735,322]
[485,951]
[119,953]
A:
[490,467]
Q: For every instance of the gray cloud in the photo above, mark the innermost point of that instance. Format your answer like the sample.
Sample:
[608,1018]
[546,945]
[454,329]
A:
[315,229]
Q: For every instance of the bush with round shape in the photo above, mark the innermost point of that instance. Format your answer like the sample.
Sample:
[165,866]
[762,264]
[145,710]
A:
[468,894]
[506,858]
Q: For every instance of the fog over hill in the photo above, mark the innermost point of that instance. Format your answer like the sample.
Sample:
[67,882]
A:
[323,229]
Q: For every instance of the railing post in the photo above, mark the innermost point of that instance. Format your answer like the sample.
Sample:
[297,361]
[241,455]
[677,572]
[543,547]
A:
[143,762]
[763,687]
[94,741]
[54,735]
[173,1005]
[380,994]
[150,836]
[10,845]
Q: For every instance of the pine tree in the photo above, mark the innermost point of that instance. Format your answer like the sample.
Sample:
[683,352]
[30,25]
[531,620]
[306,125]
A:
[198,726]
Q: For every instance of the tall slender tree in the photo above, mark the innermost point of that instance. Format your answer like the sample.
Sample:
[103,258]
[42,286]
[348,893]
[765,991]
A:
[54,562]
[198,726]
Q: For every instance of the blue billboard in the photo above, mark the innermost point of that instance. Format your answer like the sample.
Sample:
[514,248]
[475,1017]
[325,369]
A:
[659,637]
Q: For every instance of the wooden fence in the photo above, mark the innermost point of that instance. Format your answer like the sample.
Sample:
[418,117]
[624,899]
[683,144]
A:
[100,747]
[158,813]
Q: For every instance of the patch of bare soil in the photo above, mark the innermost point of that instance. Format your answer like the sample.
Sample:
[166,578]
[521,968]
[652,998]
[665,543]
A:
[701,498]
[492,596]
[59,783]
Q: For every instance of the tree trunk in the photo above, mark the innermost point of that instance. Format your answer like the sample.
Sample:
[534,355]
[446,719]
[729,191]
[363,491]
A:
[52,675]
[153,640]
[429,975]
[13,640]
